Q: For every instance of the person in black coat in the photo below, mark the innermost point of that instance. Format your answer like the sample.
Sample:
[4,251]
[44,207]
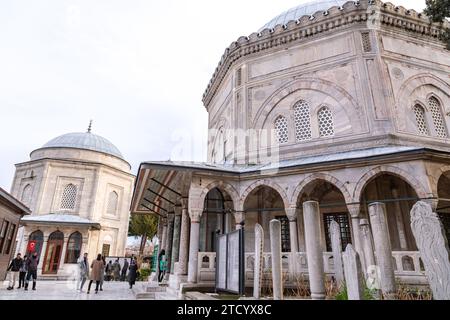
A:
[132,275]
[123,276]
[13,270]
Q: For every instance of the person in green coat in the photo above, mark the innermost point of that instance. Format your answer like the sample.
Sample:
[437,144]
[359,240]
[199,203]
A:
[162,265]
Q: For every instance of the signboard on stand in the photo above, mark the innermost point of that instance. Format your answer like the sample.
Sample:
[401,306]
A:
[230,262]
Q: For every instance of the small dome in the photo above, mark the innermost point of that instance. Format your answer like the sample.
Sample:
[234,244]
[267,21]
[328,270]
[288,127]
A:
[306,9]
[87,141]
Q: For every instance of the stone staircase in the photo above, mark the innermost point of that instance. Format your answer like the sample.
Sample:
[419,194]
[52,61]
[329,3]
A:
[152,291]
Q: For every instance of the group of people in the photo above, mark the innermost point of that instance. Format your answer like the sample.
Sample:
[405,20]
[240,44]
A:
[114,272]
[98,268]
[23,269]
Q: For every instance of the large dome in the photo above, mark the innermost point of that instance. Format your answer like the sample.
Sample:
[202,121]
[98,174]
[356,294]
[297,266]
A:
[87,141]
[306,9]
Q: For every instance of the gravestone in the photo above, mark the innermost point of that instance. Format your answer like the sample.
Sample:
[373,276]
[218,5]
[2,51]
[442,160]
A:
[275,246]
[259,250]
[314,253]
[354,278]
[433,246]
[336,244]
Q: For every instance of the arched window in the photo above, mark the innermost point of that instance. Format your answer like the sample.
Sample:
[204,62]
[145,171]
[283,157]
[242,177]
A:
[69,197]
[26,195]
[326,125]
[438,120]
[302,118]
[421,121]
[281,127]
[73,251]
[113,199]
[35,241]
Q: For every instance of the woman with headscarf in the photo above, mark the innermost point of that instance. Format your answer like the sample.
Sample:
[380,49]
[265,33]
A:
[132,275]
[96,274]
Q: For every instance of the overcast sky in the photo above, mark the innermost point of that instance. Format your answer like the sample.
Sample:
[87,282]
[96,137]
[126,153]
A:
[138,68]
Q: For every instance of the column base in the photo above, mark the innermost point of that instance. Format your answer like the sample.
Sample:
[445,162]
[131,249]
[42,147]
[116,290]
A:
[318,296]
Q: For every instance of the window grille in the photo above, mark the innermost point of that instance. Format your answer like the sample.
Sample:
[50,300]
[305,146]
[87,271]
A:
[112,203]
[344,224]
[421,121]
[69,197]
[326,126]
[285,234]
[26,195]
[438,120]
[281,127]
[367,45]
[302,118]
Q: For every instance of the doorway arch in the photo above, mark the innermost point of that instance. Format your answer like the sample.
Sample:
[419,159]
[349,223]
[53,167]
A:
[53,253]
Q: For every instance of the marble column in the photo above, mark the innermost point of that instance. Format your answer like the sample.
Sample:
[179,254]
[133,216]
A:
[194,244]
[170,227]
[275,249]
[239,217]
[291,213]
[184,238]
[164,234]
[311,216]
[399,220]
[355,214]
[383,251]
[301,231]
[176,239]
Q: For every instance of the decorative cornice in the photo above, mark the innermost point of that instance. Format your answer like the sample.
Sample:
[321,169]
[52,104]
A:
[307,26]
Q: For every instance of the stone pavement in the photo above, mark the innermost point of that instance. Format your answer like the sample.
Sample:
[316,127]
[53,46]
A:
[65,290]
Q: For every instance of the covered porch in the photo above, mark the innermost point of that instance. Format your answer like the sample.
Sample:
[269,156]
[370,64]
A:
[196,201]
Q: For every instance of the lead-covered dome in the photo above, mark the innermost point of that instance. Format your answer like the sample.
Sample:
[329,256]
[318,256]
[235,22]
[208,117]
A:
[306,9]
[86,141]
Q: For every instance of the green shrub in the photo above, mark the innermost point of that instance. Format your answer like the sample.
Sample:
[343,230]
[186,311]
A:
[144,274]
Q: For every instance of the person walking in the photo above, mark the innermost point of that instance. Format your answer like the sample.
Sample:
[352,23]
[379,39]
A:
[109,271]
[161,265]
[96,274]
[116,270]
[32,265]
[83,265]
[23,272]
[103,273]
[13,269]
[123,276]
[132,275]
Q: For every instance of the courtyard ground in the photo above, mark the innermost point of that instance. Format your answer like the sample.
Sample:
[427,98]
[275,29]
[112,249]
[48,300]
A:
[65,290]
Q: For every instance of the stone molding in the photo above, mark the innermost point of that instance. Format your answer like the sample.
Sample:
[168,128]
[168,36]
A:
[307,26]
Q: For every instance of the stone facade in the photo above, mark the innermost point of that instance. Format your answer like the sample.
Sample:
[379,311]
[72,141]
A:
[11,211]
[75,190]
[345,109]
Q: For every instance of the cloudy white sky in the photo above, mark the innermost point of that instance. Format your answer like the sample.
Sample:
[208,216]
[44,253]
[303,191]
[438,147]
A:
[138,68]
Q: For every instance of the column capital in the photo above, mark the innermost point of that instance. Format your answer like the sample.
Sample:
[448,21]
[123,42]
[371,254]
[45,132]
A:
[184,203]
[195,215]
[355,210]
[177,210]
[291,213]
[170,217]
[433,202]
[364,222]
[239,217]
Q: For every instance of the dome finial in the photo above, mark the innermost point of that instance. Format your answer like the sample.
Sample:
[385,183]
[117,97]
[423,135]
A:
[90,127]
